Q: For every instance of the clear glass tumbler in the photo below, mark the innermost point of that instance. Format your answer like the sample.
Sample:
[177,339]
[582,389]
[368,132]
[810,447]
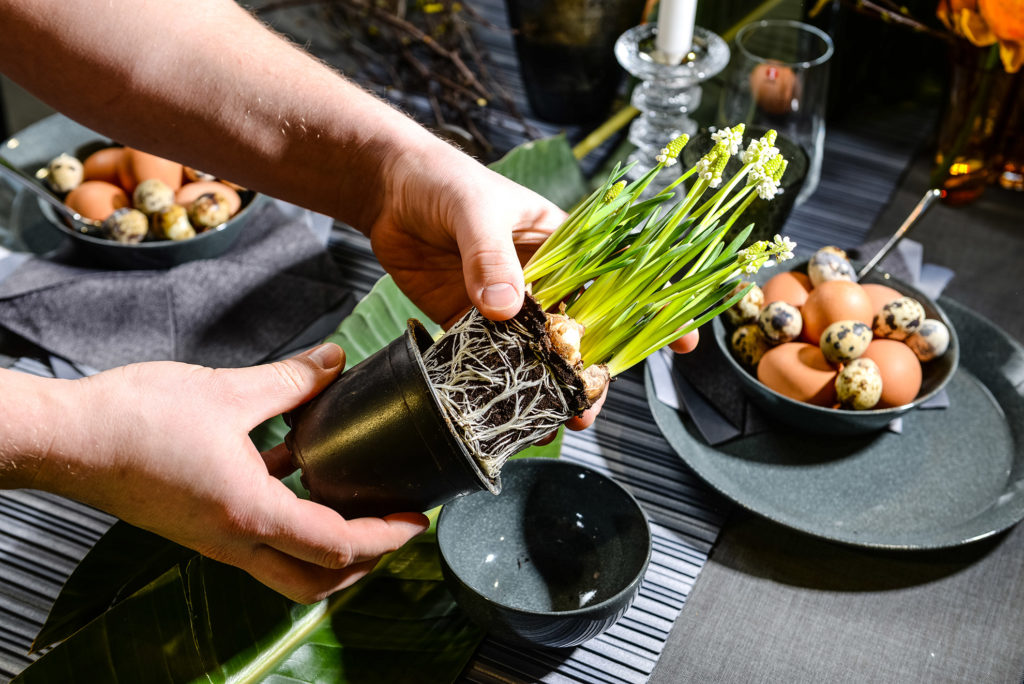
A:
[778,78]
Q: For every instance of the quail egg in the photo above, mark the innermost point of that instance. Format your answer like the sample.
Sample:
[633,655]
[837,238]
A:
[899,318]
[152,196]
[845,340]
[127,226]
[748,344]
[859,385]
[780,322]
[830,263]
[173,224]
[930,341]
[64,173]
[747,308]
[209,210]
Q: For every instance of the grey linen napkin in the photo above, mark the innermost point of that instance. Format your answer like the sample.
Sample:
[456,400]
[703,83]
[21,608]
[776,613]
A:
[238,309]
[709,393]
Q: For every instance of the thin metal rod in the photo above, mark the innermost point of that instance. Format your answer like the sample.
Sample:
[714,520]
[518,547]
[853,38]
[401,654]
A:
[922,206]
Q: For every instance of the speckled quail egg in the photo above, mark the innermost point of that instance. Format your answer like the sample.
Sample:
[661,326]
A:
[152,196]
[845,340]
[899,318]
[859,385]
[64,173]
[173,224]
[930,341]
[748,344]
[830,263]
[126,225]
[209,210]
[747,308]
[780,322]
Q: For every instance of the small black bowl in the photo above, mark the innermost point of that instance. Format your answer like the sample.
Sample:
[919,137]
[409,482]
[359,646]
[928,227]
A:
[32,149]
[554,560]
[835,421]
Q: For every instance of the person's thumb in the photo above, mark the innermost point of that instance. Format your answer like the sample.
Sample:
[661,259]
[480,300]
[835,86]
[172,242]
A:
[490,267]
[278,387]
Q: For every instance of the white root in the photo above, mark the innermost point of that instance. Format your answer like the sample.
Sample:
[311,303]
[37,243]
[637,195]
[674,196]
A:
[470,390]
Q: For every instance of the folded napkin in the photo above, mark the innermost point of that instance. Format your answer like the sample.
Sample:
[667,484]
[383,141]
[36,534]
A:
[250,304]
[702,384]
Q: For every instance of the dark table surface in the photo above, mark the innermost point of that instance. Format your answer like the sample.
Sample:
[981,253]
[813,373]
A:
[769,604]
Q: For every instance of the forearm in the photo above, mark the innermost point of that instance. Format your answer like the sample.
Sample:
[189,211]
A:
[32,418]
[206,84]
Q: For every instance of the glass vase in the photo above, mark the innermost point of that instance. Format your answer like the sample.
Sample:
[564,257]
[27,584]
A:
[976,113]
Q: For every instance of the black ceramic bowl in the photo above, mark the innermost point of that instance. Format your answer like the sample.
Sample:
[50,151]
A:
[32,149]
[554,560]
[818,419]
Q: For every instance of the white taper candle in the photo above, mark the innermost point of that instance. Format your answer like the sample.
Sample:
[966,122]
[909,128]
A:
[675,30]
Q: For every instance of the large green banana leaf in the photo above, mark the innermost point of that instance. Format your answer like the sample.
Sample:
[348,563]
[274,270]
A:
[140,608]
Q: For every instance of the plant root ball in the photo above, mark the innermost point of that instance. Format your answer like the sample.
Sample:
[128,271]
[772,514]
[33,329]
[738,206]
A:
[930,341]
[780,322]
[859,385]
[844,341]
[774,87]
[748,344]
[747,308]
[899,318]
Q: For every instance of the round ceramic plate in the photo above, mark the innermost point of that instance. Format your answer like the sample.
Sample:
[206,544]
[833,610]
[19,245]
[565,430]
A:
[953,476]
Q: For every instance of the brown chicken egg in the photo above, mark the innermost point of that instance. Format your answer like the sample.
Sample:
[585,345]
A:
[137,166]
[900,369]
[789,286]
[97,199]
[880,294]
[102,165]
[190,192]
[799,371]
[774,87]
[834,300]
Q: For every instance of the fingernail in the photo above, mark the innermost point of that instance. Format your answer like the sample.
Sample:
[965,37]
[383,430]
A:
[326,356]
[500,296]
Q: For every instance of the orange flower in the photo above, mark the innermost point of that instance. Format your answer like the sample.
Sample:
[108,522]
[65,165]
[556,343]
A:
[984,22]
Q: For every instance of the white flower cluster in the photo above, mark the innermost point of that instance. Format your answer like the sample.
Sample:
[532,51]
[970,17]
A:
[732,138]
[758,151]
[665,157]
[756,255]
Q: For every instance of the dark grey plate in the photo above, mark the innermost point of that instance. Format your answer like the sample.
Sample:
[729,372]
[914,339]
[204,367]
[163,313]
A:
[952,477]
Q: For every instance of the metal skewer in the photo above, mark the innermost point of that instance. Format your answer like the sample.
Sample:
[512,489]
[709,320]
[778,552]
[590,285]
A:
[922,206]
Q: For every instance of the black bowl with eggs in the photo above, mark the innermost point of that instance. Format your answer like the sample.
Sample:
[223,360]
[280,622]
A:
[814,407]
[32,150]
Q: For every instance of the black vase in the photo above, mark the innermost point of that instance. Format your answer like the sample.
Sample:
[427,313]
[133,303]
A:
[377,441]
[566,54]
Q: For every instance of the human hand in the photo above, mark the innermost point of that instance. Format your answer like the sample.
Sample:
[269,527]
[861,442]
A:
[453,233]
[169,452]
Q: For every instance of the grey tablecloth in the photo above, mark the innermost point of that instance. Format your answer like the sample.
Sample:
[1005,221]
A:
[774,605]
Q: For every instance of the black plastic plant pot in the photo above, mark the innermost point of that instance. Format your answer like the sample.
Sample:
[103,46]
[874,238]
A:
[377,440]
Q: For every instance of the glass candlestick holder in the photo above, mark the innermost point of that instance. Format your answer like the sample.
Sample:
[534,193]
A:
[667,93]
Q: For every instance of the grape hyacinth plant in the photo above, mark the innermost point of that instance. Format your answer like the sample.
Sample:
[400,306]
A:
[621,277]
